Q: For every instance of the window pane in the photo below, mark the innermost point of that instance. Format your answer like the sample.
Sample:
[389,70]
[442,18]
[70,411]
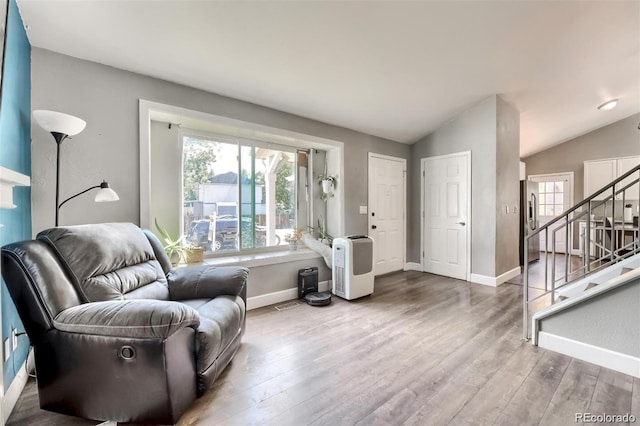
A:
[548,199]
[559,209]
[268,204]
[549,186]
[541,187]
[559,198]
[559,186]
[541,210]
[210,187]
[549,210]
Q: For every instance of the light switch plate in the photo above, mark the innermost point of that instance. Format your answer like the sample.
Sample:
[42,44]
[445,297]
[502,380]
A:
[363,209]
[14,338]
[7,349]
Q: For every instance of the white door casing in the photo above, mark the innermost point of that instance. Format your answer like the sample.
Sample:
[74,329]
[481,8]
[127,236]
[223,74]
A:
[446,214]
[387,211]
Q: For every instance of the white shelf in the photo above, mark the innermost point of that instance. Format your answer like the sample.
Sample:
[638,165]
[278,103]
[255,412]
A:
[9,179]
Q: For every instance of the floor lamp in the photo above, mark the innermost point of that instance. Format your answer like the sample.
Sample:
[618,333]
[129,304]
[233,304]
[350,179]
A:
[61,126]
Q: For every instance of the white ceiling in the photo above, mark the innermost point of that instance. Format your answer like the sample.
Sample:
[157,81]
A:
[393,69]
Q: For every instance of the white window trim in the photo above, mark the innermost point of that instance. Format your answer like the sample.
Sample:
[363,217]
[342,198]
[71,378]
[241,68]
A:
[211,123]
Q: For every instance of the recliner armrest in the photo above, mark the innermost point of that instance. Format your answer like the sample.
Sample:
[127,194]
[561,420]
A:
[205,281]
[157,319]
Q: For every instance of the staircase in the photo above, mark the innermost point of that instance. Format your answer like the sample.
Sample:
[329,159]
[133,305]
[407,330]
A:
[590,308]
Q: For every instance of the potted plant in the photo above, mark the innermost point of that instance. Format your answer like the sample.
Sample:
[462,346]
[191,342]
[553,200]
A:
[195,254]
[320,233]
[327,182]
[175,249]
[293,237]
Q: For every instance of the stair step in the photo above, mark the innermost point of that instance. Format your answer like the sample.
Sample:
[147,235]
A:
[625,270]
[590,286]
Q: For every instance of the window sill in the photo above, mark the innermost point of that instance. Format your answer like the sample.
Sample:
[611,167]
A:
[263,259]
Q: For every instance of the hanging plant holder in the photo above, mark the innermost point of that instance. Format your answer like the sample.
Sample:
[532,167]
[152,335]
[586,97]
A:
[327,183]
[326,186]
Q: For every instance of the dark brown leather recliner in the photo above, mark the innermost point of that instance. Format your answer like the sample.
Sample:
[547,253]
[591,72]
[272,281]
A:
[118,334]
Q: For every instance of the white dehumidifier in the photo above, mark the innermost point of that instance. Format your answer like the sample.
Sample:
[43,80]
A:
[352,271]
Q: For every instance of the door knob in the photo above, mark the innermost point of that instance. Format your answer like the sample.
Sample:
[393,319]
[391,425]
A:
[461,223]
[374,227]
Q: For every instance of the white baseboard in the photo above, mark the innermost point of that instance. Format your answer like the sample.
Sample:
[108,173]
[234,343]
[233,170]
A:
[495,281]
[596,355]
[256,302]
[13,393]
[413,266]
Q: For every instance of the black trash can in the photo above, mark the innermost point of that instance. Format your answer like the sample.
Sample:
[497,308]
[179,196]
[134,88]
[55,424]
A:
[307,281]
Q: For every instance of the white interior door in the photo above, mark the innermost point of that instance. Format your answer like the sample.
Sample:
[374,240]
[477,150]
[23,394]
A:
[555,195]
[386,211]
[446,227]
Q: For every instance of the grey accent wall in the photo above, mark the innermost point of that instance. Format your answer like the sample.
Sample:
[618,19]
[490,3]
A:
[473,130]
[107,98]
[507,186]
[609,321]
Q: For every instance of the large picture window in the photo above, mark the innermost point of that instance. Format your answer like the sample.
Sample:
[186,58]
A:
[237,194]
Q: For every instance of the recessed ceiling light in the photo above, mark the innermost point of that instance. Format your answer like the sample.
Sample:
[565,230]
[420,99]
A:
[609,105]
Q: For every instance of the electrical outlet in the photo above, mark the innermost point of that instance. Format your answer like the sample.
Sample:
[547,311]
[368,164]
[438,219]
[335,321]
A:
[14,337]
[7,349]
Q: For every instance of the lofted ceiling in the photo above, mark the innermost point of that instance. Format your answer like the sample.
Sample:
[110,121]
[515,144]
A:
[393,69]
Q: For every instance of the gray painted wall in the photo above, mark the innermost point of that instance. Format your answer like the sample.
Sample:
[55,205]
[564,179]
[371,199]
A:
[609,321]
[107,98]
[507,187]
[473,130]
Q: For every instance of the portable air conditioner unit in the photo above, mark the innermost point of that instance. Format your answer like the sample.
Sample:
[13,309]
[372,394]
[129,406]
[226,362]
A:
[352,272]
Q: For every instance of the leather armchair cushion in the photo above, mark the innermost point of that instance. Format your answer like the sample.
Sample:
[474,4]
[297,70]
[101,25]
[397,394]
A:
[221,320]
[206,281]
[154,319]
[108,260]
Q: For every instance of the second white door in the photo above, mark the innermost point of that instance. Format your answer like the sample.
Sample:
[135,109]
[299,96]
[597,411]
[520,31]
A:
[446,215]
[387,212]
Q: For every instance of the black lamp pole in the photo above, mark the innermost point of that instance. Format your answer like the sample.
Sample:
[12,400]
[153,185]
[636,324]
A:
[59,137]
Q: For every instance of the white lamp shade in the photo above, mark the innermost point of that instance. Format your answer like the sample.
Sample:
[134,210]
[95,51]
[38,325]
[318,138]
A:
[106,195]
[59,122]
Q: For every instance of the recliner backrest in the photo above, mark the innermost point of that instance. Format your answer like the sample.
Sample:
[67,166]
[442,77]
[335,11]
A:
[38,284]
[109,261]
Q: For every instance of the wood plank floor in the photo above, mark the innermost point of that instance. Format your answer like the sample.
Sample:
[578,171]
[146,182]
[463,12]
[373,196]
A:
[423,350]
